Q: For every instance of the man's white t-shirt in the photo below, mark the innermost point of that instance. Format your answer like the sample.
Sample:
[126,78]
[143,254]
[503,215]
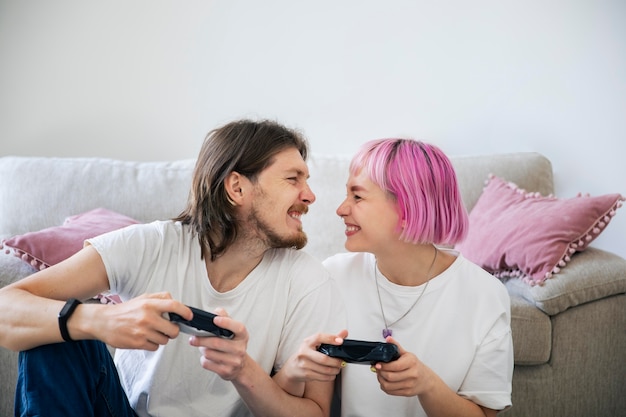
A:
[460,328]
[286,298]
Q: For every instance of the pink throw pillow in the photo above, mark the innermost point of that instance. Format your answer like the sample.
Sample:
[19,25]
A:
[514,233]
[52,245]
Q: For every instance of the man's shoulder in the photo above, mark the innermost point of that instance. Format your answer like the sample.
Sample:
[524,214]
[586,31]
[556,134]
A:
[293,256]
[295,262]
[166,228]
[159,233]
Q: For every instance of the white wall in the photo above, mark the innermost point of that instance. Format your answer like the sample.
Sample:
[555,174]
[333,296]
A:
[146,79]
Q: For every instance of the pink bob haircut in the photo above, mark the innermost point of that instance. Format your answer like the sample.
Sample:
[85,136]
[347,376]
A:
[422,181]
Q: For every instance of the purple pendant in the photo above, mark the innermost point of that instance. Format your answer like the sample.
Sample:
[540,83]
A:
[387,332]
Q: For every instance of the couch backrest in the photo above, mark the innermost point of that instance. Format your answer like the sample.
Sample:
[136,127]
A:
[529,170]
[37,192]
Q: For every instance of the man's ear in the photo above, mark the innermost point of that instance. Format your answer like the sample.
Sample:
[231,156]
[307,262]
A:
[233,187]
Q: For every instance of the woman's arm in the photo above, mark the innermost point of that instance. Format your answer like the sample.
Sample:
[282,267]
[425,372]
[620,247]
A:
[409,377]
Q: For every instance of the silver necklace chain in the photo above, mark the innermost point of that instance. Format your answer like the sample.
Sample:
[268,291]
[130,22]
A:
[387,331]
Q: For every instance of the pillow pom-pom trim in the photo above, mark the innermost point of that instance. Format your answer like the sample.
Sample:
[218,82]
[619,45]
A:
[579,244]
[108,298]
[24,256]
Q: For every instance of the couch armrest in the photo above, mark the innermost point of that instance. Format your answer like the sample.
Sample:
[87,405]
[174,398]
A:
[589,276]
[13,269]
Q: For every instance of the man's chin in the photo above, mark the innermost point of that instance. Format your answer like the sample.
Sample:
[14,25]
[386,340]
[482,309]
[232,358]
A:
[300,241]
[295,242]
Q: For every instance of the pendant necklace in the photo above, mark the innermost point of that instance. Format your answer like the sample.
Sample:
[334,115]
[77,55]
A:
[387,330]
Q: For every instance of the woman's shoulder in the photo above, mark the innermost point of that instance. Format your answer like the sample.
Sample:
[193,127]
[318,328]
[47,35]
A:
[474,277]
[349,261]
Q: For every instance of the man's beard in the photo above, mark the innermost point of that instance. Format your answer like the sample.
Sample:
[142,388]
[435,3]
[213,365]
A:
[273,239]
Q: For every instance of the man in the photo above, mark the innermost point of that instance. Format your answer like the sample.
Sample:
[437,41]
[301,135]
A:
[232,251]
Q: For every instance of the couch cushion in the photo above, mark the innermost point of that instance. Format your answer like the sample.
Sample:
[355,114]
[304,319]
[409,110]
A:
[52,245]
[532,333]
[590,275]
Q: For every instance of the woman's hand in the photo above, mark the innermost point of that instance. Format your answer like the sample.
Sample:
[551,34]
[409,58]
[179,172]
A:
[407,376]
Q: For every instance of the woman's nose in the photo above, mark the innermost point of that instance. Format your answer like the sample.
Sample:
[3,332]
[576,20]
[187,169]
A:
[342,210]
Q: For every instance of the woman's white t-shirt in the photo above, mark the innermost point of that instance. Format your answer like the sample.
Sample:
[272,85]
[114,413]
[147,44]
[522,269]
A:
[286,298]
[460,328]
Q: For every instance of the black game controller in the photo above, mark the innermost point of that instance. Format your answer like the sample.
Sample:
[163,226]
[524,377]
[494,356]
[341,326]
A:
[201,324]
[361,351]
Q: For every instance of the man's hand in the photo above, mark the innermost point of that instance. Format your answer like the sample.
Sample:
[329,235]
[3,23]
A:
[307,364]
[139,323]
[225,357]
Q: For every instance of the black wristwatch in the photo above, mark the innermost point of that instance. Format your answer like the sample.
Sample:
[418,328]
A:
[64,315]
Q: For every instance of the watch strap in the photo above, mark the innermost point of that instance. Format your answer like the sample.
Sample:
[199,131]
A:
[64,316]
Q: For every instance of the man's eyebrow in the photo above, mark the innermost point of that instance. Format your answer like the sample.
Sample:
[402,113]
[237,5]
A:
[299,172]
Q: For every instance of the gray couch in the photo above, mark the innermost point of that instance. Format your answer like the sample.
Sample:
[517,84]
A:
[569,335]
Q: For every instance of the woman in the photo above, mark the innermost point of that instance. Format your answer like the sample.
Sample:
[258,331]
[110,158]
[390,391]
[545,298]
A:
[449,318]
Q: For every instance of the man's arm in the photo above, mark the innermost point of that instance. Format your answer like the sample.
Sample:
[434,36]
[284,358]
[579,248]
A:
[267,398]
[31,307]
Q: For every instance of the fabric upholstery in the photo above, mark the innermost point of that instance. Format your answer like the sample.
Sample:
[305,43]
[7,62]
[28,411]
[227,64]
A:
[532,333]
[51,189]
[529,170]
[585,374]
[574,286]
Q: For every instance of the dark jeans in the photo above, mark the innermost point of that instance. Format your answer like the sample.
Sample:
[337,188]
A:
[70,379]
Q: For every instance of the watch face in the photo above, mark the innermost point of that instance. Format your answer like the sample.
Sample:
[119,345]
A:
[69,307]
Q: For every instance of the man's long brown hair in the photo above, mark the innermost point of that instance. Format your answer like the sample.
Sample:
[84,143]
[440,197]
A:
[246,147]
